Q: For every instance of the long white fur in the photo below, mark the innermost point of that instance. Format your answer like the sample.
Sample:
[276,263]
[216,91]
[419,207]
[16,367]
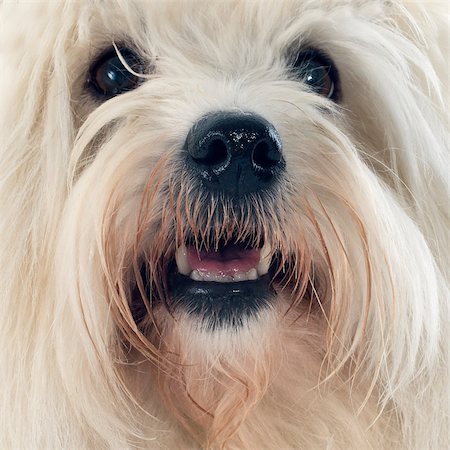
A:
[368,198]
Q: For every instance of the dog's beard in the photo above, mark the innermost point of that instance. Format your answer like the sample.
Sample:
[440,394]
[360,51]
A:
[329,312]
[212,371]
[212,364]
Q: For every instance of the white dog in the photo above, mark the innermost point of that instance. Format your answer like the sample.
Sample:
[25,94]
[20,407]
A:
[224,224]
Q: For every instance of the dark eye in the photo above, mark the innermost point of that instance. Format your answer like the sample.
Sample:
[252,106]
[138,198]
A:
[317,72]
[109,77]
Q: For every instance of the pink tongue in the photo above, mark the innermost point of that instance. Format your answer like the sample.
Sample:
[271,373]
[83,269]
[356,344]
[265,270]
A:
[228,261]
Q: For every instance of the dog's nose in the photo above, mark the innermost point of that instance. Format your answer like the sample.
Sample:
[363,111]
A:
[235,153]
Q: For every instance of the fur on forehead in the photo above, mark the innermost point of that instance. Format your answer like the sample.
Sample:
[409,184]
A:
[229,36]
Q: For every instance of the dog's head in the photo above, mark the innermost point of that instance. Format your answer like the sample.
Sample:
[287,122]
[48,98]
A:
[229,199]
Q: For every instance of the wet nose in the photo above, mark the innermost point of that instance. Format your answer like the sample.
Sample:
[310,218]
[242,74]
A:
[235,153]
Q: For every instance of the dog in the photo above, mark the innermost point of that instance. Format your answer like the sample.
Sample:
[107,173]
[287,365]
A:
[224,225]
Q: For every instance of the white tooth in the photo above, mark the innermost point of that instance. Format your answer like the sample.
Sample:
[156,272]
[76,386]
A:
[252,274]
[196,275]
[240,276]
[208,276]
[217,277]
[182,261]
[264,262]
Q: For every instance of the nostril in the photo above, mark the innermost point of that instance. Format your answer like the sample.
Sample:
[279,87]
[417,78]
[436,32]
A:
[217,152]
[266,154]
[211,153]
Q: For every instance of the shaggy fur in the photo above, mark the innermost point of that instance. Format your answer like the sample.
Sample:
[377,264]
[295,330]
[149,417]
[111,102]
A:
[354,351]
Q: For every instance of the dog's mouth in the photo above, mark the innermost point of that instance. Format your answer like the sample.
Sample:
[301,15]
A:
[223,281]
[225,284]
[220,266]
[228,263]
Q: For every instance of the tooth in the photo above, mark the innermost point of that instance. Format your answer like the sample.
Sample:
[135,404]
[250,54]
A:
[252,274]
[264,262]
[240,276]
[196,276]
[208,276]
[182,261]
[217,277]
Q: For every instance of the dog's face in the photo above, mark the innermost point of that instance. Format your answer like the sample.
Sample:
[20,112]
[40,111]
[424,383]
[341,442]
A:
[225,205]
[206,146]
[214,142]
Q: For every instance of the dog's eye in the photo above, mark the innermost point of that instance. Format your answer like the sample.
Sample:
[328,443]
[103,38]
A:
[109,77]
[317,72]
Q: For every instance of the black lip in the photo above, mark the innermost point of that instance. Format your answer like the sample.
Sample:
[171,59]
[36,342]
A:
[220,304]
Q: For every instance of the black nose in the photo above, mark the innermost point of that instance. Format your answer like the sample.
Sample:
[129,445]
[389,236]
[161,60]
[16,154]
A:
[235,153]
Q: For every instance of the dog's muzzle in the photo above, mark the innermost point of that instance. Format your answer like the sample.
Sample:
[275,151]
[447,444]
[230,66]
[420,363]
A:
[234,153]
[223,265]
